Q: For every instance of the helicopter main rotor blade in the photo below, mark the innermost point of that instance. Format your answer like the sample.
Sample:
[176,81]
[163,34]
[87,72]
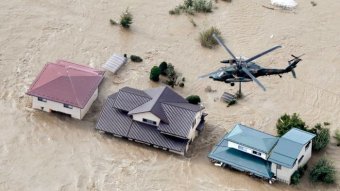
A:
[215,72]
[253,78]
[223,45]
[262,54]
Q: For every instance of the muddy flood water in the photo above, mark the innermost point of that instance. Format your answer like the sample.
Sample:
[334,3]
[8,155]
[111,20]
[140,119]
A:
[43,151]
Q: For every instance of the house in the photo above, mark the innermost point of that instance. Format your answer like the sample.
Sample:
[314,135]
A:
[158,117]
[65,87]
[263,155]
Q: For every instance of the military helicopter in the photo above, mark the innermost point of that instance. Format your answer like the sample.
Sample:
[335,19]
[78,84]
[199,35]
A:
[246,70]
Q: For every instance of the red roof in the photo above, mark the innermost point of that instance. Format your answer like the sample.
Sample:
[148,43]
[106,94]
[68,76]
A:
[66,83]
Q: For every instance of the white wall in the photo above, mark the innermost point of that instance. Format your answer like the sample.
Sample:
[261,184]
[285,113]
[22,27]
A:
[89,104]
[284,173]
[192,132]
[247,150]
[146,115]
[75,112]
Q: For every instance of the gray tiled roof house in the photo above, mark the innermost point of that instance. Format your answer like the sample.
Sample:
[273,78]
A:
[158,117]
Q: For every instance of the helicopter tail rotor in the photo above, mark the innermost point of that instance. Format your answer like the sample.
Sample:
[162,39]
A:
[293,63]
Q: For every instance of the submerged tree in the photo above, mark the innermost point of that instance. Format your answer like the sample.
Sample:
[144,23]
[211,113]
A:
[287,122]
[324,171]
[126,19]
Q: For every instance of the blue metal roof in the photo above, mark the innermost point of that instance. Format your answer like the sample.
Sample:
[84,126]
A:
[288,147]
[240,160]
[299,136]
[252,138]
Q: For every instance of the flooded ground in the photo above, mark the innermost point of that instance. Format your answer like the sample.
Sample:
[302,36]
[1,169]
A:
[41,151]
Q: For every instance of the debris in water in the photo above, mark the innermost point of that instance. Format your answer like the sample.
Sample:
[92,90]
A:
[284,3]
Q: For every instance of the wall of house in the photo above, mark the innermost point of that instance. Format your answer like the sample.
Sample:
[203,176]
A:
[285,173]
[48,106]
[192,133]
[247,150]
[89,104]
[146,115]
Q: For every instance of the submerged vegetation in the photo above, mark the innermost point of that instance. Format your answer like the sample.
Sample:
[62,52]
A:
[322,137]
[126,19]
[206,38]
[324,171]
[337,137]
[167,70]
[286,122]
[194,99]
[192,6]
[154,73]
[135,58]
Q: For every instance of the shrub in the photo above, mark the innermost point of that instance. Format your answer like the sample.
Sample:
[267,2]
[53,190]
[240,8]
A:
[172,75]
[337,136]
[163,66]
[135,58]
[322,137]
[194,99]
[295,178]
[192,6]
[206,38]
[323,171]
[126,19]
[204,6]
[154,74]
[286,122]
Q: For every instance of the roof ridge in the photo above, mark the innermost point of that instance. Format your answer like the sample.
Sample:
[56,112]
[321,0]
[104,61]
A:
[122,89]
[171,104]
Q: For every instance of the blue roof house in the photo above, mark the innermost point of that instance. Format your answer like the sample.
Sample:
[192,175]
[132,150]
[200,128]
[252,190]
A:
[263,155]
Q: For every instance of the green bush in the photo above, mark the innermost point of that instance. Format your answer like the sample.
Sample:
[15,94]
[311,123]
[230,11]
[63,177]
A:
[286,122]
[126,19]
[295,178]
[135,58]
[192,6]
[172,75]
[322,137]
[206,38]
[323,171]
[163,66]
[194,99]
[204,6]
[337,137]
[154,74]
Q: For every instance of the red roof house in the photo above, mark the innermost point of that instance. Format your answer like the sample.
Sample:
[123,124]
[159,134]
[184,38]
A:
[66,87]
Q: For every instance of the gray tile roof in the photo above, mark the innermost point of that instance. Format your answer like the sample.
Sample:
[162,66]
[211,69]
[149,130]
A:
[129,99]
[177,111]
[180,120]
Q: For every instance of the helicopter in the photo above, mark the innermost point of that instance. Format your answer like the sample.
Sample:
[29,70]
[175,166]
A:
[246,70]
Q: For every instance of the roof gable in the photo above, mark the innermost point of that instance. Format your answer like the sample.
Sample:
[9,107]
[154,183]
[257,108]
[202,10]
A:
[252,138]
[299,136]
[65,82]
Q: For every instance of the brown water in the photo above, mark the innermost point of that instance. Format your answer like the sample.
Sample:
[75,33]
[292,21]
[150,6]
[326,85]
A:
[41,151]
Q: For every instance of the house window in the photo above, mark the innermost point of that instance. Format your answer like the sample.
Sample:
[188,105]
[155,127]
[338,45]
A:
[42,99]
[257,153]
[68,106]
[149,121]
[301,158]
[308,144]
[278,167]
